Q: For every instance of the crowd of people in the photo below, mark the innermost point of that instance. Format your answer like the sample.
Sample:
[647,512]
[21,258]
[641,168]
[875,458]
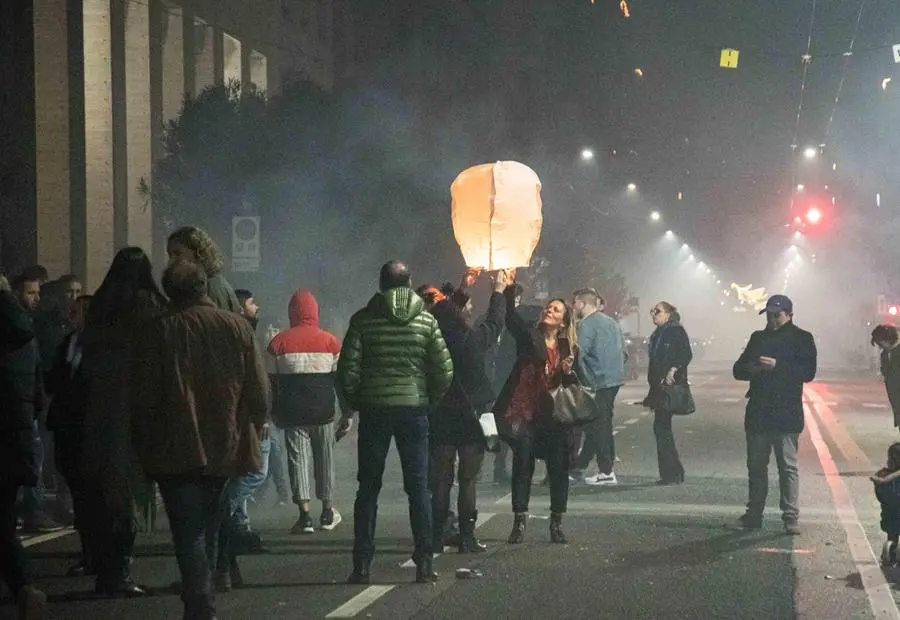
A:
[166,386]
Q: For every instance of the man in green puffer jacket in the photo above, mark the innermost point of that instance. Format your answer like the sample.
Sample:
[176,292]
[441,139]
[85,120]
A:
[394,367]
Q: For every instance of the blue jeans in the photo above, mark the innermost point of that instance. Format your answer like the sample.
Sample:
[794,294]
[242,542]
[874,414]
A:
[408,426]
[195,507]
[275,466]
[33,497]
[237,490]
[240,489]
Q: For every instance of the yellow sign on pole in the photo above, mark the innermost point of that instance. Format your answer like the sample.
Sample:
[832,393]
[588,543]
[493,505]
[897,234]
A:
[729,59]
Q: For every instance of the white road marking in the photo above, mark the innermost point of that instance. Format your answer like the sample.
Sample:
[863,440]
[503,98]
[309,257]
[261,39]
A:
[728,400]
[615,433]
[881,599]
[631,421]
[875,405]
[359,602]
[42,538]
[483,518]
[504,499]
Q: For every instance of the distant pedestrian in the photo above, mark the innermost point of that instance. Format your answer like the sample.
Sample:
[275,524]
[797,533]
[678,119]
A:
[670,354]
[601,367]
[886,338]
[200,399]
[887,491]
[394,369]
[777,361]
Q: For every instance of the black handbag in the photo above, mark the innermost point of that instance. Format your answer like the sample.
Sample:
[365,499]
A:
[574,405]
[676,399]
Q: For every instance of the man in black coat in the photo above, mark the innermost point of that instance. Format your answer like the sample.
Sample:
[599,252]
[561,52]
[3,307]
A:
[21,396]
[777,362]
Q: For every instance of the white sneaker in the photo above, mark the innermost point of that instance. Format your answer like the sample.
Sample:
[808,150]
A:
[602,480]
[32,603]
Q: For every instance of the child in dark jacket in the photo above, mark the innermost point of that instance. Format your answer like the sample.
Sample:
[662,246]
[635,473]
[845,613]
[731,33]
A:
[887,490]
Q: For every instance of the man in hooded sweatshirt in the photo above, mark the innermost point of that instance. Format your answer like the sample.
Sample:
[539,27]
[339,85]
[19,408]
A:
[305,360]
[394,367]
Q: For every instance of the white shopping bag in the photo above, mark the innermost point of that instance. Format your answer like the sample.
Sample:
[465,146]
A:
[489,430]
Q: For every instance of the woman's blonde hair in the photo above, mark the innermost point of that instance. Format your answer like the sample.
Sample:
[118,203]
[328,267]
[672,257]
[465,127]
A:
[197,240]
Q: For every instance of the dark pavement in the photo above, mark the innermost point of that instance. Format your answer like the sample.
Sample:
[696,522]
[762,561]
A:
[636,550]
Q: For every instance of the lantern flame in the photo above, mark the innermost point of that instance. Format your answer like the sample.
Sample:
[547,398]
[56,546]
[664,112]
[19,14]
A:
[496,214]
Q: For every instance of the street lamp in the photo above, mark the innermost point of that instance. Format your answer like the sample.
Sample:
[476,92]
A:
[632,187]
[810,152]
[669,234]
[655,216]
[587,154]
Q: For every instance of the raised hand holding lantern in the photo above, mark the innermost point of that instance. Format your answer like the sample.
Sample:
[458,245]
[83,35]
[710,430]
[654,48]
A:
[496,213]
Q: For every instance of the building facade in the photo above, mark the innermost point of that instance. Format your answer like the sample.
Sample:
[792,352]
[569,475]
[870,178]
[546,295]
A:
[86,87]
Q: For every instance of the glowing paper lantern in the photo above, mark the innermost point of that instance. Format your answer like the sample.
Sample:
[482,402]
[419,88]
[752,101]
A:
[496,213]
[729,59]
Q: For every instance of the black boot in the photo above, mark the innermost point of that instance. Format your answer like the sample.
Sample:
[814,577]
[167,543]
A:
[360,574]
[556,533]
[467,541]
[450,531]
[114,576]
[517,535]
[425,571]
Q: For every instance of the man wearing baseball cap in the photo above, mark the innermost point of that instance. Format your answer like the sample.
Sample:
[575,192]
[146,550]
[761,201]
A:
[777,361]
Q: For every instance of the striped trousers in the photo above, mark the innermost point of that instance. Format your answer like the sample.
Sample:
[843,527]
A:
[305,444]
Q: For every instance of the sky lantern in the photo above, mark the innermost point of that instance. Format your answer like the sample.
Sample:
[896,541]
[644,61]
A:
[496,213]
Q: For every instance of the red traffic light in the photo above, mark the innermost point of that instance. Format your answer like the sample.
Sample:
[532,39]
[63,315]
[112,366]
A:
[814,215]
[892,310]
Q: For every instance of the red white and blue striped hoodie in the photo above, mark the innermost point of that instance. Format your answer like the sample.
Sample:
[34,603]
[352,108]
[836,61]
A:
[305,361]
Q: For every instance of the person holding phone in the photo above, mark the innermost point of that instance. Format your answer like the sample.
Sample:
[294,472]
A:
[545,359]
[777,361]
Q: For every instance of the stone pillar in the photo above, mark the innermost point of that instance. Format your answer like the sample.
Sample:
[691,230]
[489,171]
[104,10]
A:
[51,111]
[173,65]
[99,211]
[138,140]
[203,55]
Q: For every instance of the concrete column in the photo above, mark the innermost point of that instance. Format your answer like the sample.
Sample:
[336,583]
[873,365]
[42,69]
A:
[204,55]
[218,56]
[99,242]
[51,111]
[173,65]
[139,230]
[189,47]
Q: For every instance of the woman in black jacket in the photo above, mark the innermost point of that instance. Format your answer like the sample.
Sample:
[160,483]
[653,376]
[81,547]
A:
[454,424]
[545,359]
[670,354]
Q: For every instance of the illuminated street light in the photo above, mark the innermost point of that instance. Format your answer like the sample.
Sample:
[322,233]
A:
[655,216]
[798,235]
[587,154]
[800,187]
[702,265]
[810,152]
[632,187]
[669,234]
[685,246]
[691,257]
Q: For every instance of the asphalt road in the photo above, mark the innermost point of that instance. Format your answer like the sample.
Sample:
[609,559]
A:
[635,551]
